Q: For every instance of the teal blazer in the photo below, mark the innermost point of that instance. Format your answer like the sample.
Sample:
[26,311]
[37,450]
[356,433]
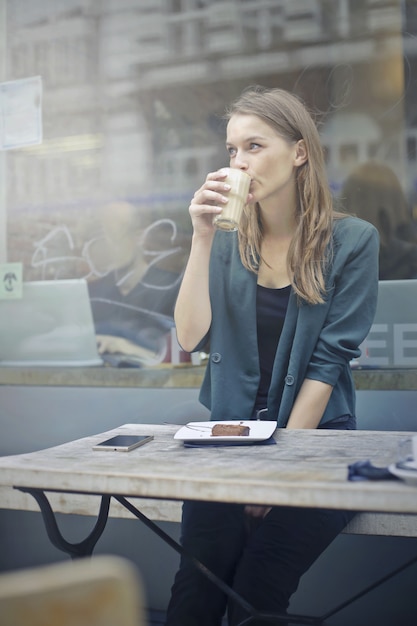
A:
[317,341]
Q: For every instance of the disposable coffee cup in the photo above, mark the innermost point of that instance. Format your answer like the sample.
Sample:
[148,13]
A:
[229,218]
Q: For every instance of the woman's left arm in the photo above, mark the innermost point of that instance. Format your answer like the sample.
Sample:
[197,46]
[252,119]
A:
[310,404]
[352,307]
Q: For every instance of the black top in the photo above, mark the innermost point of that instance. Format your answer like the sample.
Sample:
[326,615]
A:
[271,307]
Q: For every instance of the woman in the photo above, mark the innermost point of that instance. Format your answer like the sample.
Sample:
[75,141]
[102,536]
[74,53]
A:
[285,304]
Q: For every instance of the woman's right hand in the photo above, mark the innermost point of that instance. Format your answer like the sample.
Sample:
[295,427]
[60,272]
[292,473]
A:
[207,202]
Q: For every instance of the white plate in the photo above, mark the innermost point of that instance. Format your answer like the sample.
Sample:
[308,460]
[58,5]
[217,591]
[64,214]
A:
[200,432]
[407,475]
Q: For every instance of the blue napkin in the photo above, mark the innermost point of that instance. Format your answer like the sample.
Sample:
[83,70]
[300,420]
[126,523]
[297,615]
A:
[364,470]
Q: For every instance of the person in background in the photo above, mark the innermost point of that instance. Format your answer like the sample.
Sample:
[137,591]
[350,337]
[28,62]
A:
[133,300]
[374,193]
[285,302]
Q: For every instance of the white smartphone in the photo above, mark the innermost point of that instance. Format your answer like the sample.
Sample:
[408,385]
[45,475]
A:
[123,443]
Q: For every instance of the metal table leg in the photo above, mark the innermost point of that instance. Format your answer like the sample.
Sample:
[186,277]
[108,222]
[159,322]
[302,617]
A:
[290,618]
[75,550]
[374,585]
[253,614]
[86,547]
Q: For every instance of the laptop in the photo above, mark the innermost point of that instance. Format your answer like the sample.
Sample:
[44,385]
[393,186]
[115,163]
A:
[392,340]
[51,325]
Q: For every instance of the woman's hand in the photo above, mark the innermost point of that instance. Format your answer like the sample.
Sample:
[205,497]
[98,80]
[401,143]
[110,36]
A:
[208,201]
[257,511]
[254,515]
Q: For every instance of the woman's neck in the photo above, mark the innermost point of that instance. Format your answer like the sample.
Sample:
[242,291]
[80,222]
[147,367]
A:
[278,216]
[278,224]
[276,242]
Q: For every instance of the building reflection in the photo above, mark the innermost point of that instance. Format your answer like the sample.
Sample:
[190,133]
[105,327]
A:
[134,94]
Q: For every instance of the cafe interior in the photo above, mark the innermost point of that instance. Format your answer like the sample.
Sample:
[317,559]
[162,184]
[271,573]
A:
[111,116]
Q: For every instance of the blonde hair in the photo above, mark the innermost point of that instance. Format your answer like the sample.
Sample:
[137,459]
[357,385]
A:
[309,250]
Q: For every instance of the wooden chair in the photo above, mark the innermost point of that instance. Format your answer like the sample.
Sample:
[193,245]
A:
[97,591]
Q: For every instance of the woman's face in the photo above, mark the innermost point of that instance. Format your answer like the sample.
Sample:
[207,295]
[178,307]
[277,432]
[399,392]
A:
[269,159]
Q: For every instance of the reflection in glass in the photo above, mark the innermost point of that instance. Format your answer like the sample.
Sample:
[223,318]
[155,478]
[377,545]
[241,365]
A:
[134,95]
[373,192]
[138,271]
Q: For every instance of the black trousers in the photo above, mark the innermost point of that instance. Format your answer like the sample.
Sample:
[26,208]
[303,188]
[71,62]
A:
[262,562]
[264,566]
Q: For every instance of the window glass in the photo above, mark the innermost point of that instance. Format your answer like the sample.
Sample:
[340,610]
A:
[131,96]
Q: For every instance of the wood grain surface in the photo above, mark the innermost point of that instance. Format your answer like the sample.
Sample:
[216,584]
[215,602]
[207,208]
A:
[304,468]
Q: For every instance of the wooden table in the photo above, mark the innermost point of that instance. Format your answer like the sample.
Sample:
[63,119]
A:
[305,468]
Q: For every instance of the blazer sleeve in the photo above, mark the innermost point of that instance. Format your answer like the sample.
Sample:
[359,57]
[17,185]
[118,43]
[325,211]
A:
[352,300]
